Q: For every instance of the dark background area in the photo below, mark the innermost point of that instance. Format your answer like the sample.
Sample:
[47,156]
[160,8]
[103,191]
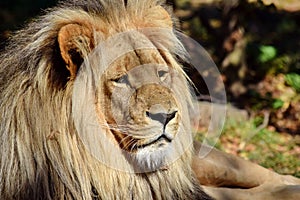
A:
[13,14]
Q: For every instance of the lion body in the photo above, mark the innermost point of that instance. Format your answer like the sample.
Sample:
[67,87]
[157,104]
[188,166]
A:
[42,155]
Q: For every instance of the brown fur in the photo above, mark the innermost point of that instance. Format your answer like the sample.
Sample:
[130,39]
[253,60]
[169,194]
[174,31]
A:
[42,156]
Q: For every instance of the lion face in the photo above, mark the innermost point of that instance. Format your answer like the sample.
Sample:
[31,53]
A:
[146,113]
[140,106]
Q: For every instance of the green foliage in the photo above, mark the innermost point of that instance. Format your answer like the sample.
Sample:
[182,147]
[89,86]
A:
[293,80]
[283,163]
[257,121]
[267,53]
[280,64]
[277,103]
[264,146]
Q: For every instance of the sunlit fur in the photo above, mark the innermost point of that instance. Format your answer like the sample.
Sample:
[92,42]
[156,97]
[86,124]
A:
[42,156]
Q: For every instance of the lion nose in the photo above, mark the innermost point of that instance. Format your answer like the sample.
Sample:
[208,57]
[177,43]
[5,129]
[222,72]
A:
[163,118]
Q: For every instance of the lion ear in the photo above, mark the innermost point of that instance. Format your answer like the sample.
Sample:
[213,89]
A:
[75,42]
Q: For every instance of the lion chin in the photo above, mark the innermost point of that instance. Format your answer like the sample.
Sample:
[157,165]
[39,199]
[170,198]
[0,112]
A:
[95,105]
[150,159]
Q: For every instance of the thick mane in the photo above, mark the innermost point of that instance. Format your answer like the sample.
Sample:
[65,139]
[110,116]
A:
[42,155]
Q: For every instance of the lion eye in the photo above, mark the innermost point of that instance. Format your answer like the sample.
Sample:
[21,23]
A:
[123,79]
[162,74]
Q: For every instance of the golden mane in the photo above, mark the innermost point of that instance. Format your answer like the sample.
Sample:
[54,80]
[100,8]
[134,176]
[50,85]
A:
[42,155]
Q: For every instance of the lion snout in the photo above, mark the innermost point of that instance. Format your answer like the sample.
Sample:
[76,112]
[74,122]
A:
[163,118]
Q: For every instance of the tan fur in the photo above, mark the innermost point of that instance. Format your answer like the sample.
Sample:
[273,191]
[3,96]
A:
[42,155]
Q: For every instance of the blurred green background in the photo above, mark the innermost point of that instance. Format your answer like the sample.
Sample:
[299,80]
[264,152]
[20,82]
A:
[256,46]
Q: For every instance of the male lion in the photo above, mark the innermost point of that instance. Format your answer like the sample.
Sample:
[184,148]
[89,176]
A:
[67,131]
[94,105]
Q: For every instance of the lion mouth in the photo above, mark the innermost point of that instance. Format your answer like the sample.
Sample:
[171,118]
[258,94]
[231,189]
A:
[161,140]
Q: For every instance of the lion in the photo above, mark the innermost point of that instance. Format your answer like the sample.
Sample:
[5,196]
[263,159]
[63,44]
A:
[66,131]
[95,104]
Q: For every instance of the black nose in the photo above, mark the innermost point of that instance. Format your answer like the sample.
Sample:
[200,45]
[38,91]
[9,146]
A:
[163,118]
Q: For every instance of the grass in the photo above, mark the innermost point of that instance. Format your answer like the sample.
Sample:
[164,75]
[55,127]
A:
[276,151]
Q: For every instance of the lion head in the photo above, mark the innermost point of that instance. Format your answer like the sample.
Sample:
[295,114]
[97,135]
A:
[137,98]
[95,104]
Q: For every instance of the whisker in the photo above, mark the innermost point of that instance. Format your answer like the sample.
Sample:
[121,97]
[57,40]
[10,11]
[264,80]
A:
[124,139]
[130,143]
[134,147]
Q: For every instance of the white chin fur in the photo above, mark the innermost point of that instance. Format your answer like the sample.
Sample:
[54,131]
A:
[150,158]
